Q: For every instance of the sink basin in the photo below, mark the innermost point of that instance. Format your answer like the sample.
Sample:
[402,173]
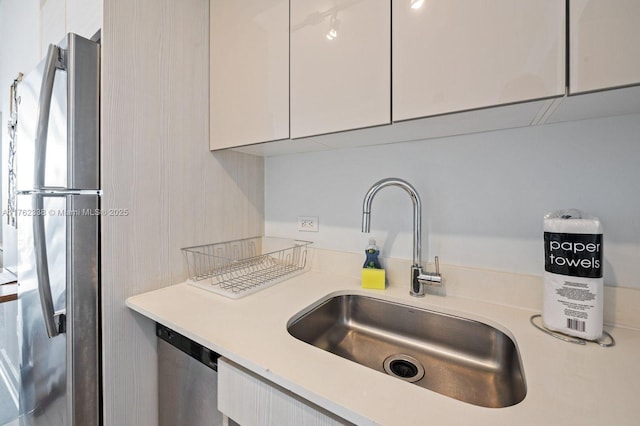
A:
[457,357]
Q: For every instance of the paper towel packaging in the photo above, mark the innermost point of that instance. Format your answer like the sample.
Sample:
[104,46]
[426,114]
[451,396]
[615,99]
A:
[573,293]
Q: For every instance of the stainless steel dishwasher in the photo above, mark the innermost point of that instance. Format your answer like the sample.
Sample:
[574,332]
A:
[187,382]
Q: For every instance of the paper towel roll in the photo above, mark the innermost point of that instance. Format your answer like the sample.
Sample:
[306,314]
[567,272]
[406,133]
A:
[573,286]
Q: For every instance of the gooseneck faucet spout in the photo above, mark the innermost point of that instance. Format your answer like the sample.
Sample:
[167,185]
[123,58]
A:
[417,211]
[418,277]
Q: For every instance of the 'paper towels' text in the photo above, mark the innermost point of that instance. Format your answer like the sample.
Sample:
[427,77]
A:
[578,255]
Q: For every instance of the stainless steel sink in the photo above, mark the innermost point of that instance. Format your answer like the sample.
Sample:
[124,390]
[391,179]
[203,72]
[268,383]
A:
[458,357]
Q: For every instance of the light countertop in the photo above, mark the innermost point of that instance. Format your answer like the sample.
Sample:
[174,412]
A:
[566,383]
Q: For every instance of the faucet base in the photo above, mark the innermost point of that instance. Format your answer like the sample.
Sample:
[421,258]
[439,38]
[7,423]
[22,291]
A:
[417,287]
[420,278]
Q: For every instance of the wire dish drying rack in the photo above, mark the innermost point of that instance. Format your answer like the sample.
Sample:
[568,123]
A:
[238,268]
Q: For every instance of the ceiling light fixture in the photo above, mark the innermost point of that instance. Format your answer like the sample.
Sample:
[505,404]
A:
[334,24]
[417,4]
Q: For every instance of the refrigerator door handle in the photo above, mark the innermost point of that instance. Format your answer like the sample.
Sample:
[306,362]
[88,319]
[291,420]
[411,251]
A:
[53,61]
[53,321]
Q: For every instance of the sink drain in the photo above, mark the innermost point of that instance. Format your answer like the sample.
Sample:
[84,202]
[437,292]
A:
[404,367]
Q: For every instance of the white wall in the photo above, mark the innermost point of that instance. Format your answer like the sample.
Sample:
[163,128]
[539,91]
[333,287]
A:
[484,195]
[156,163]
[19,52]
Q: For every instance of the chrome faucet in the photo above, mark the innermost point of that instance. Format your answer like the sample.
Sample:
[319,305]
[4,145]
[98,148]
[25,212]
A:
[418,276]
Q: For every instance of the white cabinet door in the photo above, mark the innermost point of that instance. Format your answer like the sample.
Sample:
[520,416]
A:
[52,27]
[456,55]
[340,65]
[249,93]
[604,44]
[59,17]
[252,401]
[84,17]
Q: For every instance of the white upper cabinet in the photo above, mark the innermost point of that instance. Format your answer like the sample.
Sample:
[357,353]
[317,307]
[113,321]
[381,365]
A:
[249,70]
[340,65]
[604,44]
[52,24]
[457,55]
[58,17]
[84,17]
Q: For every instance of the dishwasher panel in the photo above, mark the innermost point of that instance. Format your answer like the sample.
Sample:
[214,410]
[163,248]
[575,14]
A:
[187,381]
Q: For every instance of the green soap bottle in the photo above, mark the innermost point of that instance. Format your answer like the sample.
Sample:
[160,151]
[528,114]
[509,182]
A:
[372,251]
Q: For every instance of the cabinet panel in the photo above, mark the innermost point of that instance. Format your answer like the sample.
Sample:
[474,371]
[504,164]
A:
[53,24]
[340,65]
[604,36]
[249,54]
[252,401]
[84,17]
[456,55]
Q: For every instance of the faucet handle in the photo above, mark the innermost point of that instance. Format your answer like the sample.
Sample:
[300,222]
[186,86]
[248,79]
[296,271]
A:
[431,278]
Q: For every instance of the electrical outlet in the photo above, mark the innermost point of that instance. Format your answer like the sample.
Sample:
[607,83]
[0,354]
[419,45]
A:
[308,223]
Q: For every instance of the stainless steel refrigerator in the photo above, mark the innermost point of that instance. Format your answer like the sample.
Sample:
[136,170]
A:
[58,223]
